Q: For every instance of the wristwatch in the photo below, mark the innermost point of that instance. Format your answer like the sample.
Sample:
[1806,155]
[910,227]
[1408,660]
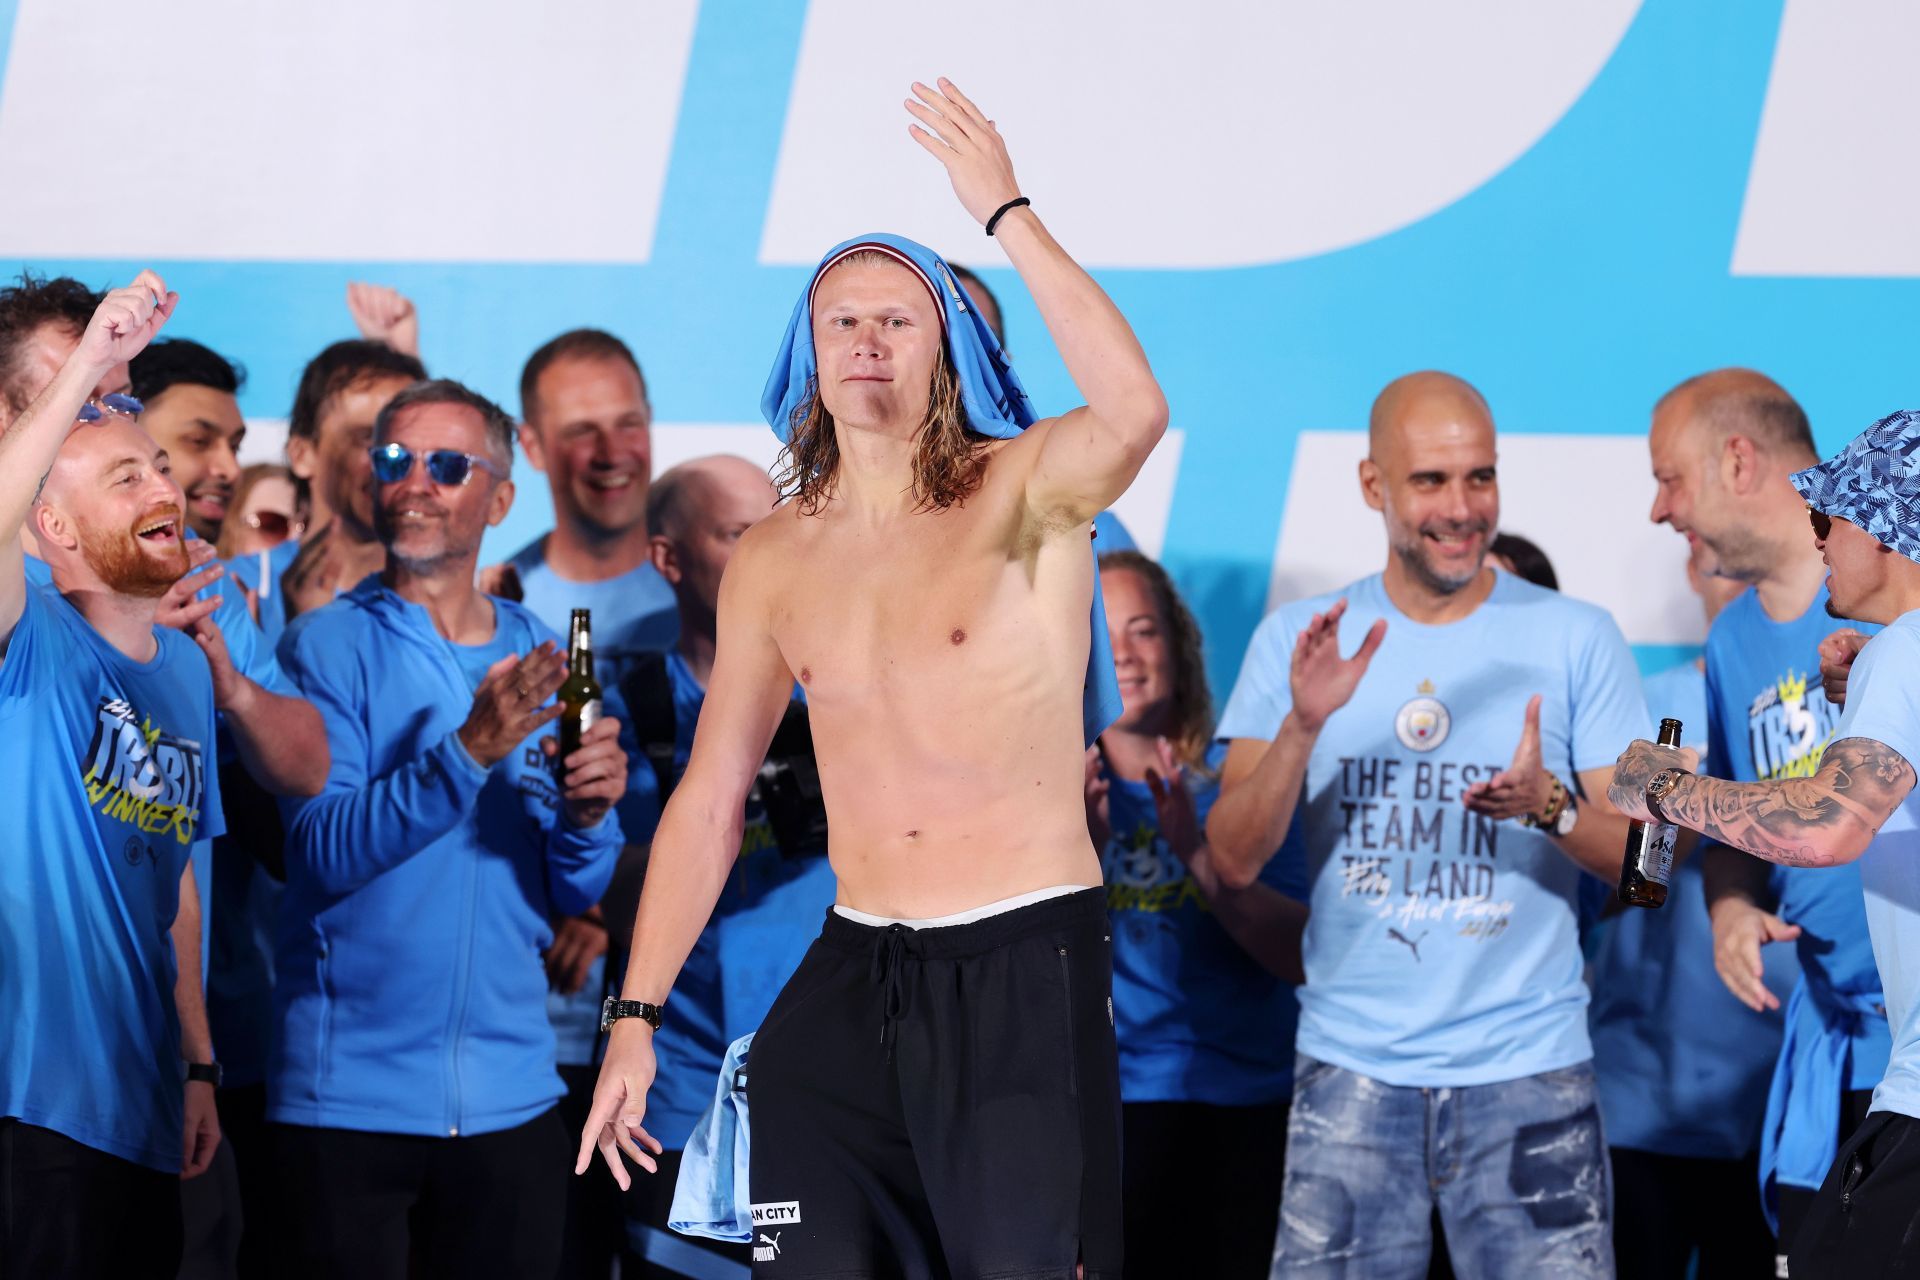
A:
[1560,814]
[1659,789]
[613,1009]
[204,1073]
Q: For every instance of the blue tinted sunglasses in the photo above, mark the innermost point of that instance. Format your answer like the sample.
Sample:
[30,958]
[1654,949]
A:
[94,410]
[393,463]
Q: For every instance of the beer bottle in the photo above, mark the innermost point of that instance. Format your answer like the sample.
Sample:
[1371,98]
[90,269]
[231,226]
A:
[1649,861]
[579,692]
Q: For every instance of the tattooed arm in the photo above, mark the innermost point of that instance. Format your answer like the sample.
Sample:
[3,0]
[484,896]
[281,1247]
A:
[1822,821]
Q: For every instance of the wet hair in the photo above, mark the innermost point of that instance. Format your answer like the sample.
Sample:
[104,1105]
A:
[1192,729]
[25,306]
[1527,559]
[180,362]
[447,391]
[1743,402]
[340,368]
[977,289]
[575,344]
[949,458]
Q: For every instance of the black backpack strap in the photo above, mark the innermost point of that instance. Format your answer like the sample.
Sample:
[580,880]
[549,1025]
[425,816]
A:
[648,693]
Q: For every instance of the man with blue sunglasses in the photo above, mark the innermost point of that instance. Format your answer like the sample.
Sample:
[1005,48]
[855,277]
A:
[412,1087]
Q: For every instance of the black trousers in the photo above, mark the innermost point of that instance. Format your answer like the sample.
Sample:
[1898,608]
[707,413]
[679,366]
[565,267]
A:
[68,1210]
[1668,1208]
[1795,1203]
[357,1206]
[1201,1188]
[941,1103]
[1865,1219]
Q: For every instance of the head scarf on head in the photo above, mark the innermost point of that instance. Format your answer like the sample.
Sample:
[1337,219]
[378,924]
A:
[1874,482]
[996,405]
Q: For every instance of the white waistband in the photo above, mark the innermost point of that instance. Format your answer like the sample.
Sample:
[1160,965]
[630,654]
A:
[964,917]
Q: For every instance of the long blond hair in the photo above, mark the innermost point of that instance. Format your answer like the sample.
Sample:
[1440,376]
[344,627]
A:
[1192,713]
[949,457]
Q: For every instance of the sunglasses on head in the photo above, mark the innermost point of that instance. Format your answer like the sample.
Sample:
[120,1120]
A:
[393,463]
[1822,523]
[115,403]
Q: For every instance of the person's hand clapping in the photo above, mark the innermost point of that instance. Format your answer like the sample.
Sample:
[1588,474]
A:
[1322,681]
[510,703]
[967,143]
[1837,653]
[179,607]
[1524,786]
[1099,825]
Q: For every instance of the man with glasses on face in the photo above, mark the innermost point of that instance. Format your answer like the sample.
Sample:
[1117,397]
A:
[412,1087]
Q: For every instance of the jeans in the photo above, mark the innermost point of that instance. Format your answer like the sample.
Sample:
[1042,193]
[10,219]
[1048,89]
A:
[1518,1171]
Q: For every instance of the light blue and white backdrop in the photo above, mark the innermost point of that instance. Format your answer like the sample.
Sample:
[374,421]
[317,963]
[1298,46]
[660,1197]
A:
[1574,203]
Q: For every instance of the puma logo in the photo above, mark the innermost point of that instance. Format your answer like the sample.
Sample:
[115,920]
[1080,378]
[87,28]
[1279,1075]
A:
[768,1247]
[1413,944]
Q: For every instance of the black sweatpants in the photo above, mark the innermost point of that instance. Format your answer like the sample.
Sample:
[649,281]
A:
[1203,1188]
[356,1205]
[1793,1204]
[1667,1208]
[1865,1219]
[942,1102]
[69,1210]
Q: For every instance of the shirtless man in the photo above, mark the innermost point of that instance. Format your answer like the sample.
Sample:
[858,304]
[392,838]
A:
[942,1083]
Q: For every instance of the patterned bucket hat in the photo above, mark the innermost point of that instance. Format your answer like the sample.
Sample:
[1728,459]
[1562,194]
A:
[1874,482]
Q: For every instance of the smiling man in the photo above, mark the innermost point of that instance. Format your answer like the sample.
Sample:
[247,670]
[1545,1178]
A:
[188,392]
[1858,805]
[1443,1021]
[107,729]
[935,1091]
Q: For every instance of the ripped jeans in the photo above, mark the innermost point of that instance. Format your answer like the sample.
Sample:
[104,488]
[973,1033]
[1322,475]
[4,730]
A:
[1518,1171]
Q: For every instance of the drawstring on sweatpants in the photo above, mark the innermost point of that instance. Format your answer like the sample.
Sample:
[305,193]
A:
[889,955]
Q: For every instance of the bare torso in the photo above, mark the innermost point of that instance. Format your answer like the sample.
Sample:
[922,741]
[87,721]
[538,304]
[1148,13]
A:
[944,657]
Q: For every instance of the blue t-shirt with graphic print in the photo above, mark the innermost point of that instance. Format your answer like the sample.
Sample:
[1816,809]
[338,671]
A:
[1442,948]
[114,780]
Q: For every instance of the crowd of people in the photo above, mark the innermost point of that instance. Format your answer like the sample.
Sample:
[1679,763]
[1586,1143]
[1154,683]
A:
[314,943]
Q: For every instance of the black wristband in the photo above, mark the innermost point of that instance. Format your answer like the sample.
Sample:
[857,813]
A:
[1004,210]
[204,1073]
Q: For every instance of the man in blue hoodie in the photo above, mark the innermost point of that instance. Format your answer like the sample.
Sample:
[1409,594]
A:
[106,728]
[412,1085]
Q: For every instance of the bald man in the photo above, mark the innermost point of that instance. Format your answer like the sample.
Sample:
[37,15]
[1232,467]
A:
[107,735]
[1446,787]
[1723,447]
[780,886]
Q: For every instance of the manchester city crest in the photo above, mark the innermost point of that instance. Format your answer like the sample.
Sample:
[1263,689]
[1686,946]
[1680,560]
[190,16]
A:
[1422,724]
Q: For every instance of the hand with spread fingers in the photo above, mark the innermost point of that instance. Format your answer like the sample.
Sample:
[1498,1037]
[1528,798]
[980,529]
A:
[1322,681]
[620,1104]
[1524,787]
[967,143]
[179,608]
[511,702]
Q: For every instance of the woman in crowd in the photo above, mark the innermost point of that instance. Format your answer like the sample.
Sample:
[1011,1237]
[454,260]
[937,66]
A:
[1205,1023]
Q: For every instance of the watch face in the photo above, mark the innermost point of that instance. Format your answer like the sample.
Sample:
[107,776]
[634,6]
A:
[1564,826]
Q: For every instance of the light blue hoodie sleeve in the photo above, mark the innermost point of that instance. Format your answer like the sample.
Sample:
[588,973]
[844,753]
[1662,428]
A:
[580,861]
[359,825]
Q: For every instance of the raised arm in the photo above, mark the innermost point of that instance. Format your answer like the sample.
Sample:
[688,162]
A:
[694,847]
[1822,821]
[122,325]
[1261,781]
[1090,455]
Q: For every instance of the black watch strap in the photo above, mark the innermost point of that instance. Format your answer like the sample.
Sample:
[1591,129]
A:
[614,1009]
[204,1073]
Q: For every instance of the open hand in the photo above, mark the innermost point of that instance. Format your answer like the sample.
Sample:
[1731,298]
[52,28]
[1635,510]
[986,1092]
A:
[595,776]
[179,608]
[620,1102]
[1740,931]
[1322,680]
[1524,786]
[1837,653]
[511,702]
[965,141]
[1173,803]
[125,321]
[383,314]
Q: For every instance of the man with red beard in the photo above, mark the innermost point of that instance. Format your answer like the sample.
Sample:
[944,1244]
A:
[106,725]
